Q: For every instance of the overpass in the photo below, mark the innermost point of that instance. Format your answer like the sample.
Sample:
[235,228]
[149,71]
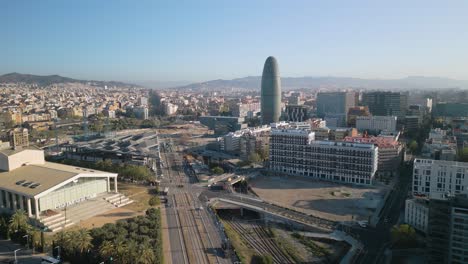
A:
[272,211]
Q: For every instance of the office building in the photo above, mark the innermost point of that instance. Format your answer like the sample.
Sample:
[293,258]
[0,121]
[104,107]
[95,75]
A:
[439,179]
[335,103]
[417,214]
[223,124]
[386,103]
[141,112]
[440,146]
[355,112]
[270,92]
[376,123]
[296,113]
[296,152]
[447,232]
[450,110]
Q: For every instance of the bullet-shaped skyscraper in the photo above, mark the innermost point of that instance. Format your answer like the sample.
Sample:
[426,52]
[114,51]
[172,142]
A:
[271,92]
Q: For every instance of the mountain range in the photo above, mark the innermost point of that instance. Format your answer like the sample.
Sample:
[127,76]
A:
[291,83]
[252,83]
[55,79]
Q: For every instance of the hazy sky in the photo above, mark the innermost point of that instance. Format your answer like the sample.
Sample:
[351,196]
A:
[204,40]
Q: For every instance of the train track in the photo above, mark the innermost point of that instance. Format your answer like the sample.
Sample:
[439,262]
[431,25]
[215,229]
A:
[191,233]
[260,241]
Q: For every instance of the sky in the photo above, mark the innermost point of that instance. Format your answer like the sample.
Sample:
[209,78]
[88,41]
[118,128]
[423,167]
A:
[224,39]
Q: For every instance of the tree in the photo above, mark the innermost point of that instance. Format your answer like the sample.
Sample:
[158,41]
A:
[83,240]
[413,146]
[106,249]
[254,158]
[463,155]
[153,201]
[146,254]
[19,222]
[217,170]
[403,236]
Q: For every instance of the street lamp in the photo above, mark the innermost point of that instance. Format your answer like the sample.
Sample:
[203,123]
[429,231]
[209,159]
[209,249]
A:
[58,253]
[27,240]
[16,261]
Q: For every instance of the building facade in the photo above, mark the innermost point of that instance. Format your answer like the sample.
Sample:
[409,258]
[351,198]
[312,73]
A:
[448,230]
[335,103]
[296,113]
[376,123]
[439,179]
[296,152]
[386,103]
[417,214]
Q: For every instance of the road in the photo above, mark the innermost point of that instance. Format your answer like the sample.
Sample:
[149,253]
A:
[24,256]
[376,240]
[194,234]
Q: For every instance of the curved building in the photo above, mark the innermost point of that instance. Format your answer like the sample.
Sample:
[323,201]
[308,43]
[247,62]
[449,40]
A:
[271,92]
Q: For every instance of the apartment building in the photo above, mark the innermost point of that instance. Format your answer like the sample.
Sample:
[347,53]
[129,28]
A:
[296,152]
[390,152]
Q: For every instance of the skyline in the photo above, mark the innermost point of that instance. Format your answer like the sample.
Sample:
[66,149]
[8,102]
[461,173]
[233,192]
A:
[212,40]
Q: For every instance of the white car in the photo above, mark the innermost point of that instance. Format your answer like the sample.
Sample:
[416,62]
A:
[363,224]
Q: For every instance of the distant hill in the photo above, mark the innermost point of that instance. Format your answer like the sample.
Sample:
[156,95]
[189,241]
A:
[54,79]
[290,83]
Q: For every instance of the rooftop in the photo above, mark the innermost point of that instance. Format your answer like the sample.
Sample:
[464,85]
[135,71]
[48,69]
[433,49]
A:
[32,180]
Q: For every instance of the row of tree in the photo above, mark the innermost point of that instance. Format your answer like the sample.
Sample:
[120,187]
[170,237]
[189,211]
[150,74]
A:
[17,228]
[136,240]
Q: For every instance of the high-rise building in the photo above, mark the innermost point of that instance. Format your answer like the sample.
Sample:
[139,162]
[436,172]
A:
[296,113]
[271,92]
[447,230]
[335,105]
[19,137]
[386,103]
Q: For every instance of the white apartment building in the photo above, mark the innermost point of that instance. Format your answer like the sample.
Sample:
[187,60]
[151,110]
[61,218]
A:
[170,108]
[437,179]
[417,214]
[296,152]
[376,123]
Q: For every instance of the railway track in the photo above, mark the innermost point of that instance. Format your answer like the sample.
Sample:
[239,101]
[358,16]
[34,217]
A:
[260,241]
[192,237]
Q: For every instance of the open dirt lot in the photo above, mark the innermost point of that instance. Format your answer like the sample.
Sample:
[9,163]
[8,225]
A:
[328,200]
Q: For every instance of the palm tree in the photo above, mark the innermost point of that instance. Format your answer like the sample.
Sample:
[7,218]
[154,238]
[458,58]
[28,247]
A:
[146,254]
[121,251]
[82,240]
[19,222]
[107,249]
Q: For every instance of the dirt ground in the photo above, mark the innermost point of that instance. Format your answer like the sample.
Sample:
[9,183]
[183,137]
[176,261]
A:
[327,200]
[108,217]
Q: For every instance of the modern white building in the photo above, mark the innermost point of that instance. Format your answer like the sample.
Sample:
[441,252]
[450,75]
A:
[41,188]
[439,179]
[376,123]
[296,152]
[417,214]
